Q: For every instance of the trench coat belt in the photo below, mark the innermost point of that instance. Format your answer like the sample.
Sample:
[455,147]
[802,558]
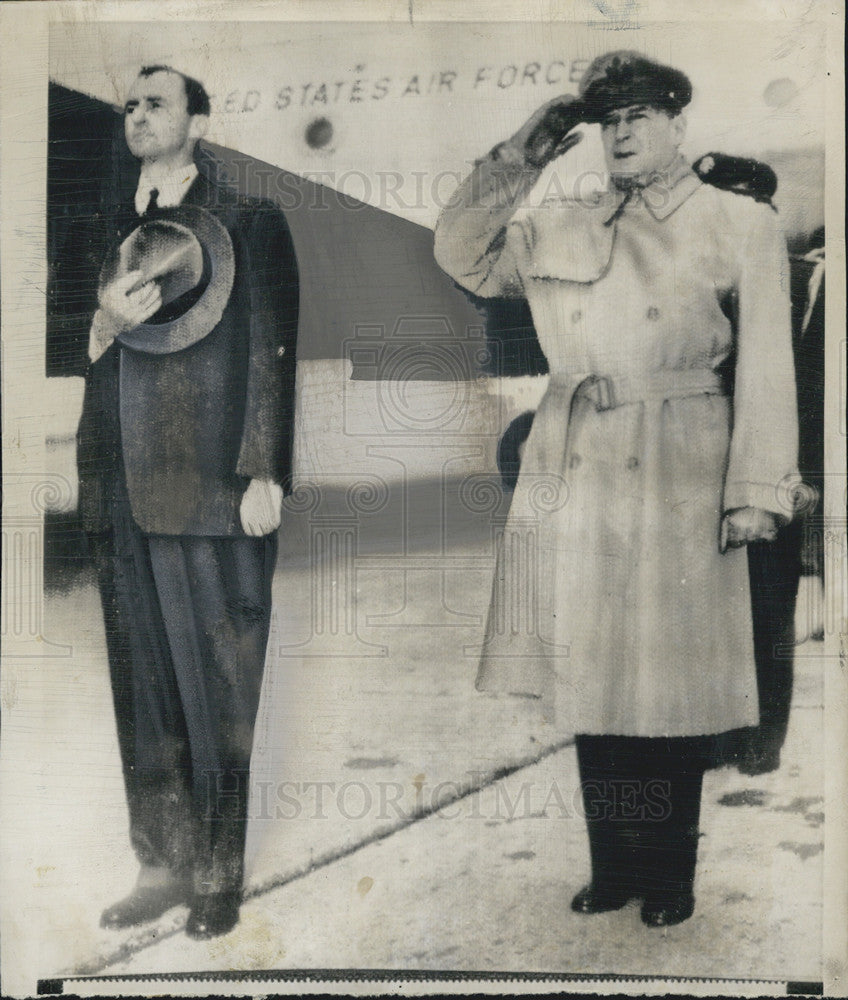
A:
[610,391]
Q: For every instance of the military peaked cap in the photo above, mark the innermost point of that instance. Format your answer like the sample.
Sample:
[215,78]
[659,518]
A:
[623,78]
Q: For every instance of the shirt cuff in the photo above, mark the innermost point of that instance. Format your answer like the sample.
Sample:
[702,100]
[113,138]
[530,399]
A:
[100,336]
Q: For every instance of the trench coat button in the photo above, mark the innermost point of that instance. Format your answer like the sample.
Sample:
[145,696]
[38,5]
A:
[280,351]
[574,461]
[653,313]
[576,316]
[632,462]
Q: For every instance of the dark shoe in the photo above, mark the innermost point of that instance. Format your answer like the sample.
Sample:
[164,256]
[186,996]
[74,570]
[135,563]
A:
[213,914]
[600,899]
[143,905]
[667,911]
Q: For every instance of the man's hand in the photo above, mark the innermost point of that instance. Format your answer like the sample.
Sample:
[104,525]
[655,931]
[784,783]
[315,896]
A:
[260,510]
[127,305]
[546,134]
[747,524]
[122,306]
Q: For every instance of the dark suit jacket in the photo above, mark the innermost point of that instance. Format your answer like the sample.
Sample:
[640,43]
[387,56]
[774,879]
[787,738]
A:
[188,430]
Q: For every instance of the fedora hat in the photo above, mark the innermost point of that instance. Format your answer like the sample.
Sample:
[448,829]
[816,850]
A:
[188,252]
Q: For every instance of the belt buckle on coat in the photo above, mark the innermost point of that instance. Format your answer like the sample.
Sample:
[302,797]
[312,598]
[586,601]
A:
[600,389]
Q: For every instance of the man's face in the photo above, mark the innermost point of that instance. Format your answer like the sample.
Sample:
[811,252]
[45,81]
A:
[640,140]
[156,119]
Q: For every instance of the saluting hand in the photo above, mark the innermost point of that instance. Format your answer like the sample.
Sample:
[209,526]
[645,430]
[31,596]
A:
[547,134]
[261,507]
[747,524]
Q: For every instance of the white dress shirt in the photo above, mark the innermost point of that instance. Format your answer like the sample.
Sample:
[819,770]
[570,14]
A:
[172,188]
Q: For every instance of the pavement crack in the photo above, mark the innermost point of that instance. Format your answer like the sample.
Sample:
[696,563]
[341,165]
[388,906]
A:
[140,941]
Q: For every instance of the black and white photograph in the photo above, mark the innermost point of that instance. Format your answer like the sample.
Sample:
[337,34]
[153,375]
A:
[425,564]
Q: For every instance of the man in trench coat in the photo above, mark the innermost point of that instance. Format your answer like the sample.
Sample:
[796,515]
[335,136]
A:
[621,589]
[183,459]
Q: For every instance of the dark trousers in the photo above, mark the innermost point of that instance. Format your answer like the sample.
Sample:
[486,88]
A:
[187,622]
[774,569]
[642,802]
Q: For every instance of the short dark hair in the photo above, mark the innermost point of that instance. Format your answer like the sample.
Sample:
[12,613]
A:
[197,100]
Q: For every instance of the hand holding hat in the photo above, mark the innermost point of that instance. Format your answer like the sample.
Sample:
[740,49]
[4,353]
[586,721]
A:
[180,261]
[547,134]
[128,302]
[125,302]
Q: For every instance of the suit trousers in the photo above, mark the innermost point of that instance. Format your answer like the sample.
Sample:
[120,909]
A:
[187,621]
[642,800]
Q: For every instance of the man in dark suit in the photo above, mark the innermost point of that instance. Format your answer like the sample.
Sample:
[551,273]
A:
[183,459]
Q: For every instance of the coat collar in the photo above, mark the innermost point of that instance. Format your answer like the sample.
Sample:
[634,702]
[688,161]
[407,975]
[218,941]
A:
[664,195]
[199,192]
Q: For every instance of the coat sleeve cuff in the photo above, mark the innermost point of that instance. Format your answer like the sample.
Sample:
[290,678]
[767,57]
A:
[254,470]
[507,153]
[778,499]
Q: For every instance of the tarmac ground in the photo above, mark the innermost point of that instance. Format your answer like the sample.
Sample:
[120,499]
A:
[399,819]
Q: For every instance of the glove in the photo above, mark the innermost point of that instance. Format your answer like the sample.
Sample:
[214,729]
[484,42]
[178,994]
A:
[747,524]
[546,136]
[260,510]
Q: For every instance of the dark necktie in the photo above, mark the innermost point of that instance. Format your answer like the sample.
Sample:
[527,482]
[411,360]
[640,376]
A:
[153,204]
